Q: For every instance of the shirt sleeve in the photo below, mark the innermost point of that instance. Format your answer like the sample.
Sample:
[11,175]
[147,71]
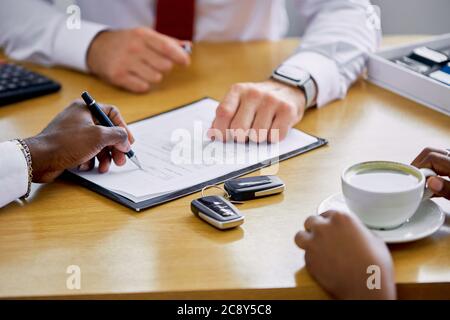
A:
[36,31]
[338,39]
[13,173]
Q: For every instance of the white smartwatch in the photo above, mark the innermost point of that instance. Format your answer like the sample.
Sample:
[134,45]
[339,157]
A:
[299,78]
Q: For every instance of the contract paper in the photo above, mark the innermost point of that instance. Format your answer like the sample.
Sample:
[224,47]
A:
[176,154]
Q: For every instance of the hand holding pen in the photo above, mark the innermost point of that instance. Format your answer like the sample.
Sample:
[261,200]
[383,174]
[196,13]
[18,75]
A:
[73,140]
[106,121]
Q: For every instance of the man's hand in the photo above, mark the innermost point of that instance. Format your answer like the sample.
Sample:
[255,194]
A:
[438,161]
[73,140]
[255,109]
[134,59]
[338,251]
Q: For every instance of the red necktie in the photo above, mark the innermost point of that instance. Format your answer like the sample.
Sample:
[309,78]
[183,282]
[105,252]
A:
[175,18]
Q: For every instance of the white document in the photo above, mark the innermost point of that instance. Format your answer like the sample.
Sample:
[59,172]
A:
[176,154]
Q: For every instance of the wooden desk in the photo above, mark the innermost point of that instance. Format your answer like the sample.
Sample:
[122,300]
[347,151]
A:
[167,253]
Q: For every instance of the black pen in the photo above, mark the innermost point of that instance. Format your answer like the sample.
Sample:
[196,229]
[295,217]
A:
[101,117]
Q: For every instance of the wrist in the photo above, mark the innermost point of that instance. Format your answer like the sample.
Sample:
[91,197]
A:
[23,146]
[37,151]
[316,93]
[91,55]
[293,94]
[298,78]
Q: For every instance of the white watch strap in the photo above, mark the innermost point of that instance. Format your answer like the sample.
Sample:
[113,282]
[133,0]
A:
[309,87]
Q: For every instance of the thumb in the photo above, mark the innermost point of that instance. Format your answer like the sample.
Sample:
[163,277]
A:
[440,187]
[116,137]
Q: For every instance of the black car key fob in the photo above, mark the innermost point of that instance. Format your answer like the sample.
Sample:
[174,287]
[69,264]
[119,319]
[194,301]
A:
[254,187]
[217,211]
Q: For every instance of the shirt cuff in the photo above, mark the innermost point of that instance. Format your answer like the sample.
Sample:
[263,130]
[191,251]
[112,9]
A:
[13,172]
[71,45]
[325,73]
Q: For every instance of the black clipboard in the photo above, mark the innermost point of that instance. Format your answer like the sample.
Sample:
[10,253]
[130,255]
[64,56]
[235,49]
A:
[147,204]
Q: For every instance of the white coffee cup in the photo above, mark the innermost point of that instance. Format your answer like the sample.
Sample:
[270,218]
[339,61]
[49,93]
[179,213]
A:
[384,194]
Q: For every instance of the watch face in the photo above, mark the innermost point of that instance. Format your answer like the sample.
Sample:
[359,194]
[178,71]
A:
[293,73]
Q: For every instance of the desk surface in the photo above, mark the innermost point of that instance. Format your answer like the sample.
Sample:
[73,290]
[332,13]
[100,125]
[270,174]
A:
[166,252]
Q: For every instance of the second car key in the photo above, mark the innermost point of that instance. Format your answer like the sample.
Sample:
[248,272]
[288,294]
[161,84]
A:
[253,187]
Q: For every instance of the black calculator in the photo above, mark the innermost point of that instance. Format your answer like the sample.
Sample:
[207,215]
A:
[18,83]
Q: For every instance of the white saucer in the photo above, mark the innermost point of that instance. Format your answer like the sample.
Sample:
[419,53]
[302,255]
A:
[427,220]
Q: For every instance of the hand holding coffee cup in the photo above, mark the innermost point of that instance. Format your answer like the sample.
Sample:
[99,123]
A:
[385,194]
[439,161]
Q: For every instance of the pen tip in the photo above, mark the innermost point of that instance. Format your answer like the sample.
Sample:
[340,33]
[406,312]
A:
[137,162]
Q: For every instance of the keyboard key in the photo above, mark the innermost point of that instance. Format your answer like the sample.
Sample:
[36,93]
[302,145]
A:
[18,83]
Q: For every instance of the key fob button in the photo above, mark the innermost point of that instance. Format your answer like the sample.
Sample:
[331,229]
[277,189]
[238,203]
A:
[217,211]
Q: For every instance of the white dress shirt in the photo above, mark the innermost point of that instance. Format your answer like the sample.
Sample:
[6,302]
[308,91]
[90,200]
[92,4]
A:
[333,50]
[13,173]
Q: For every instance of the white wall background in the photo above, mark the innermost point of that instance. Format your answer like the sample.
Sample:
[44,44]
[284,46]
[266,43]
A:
[402,17]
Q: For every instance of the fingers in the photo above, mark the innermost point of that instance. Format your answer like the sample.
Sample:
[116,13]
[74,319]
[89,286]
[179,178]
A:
[263,121]
[313,221]
[134,59]
[104,160]
[118,157]
[243,118]
[110,143]
[282,123]
[424,153]
[132,82]
[259,112]
[87,166]
[158,62]
[114,115]
[318,226]
[146,73]
[116,137]
[225,113]
[436,161]
[302,239]
[328,214]
[440,187]
[166,46]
